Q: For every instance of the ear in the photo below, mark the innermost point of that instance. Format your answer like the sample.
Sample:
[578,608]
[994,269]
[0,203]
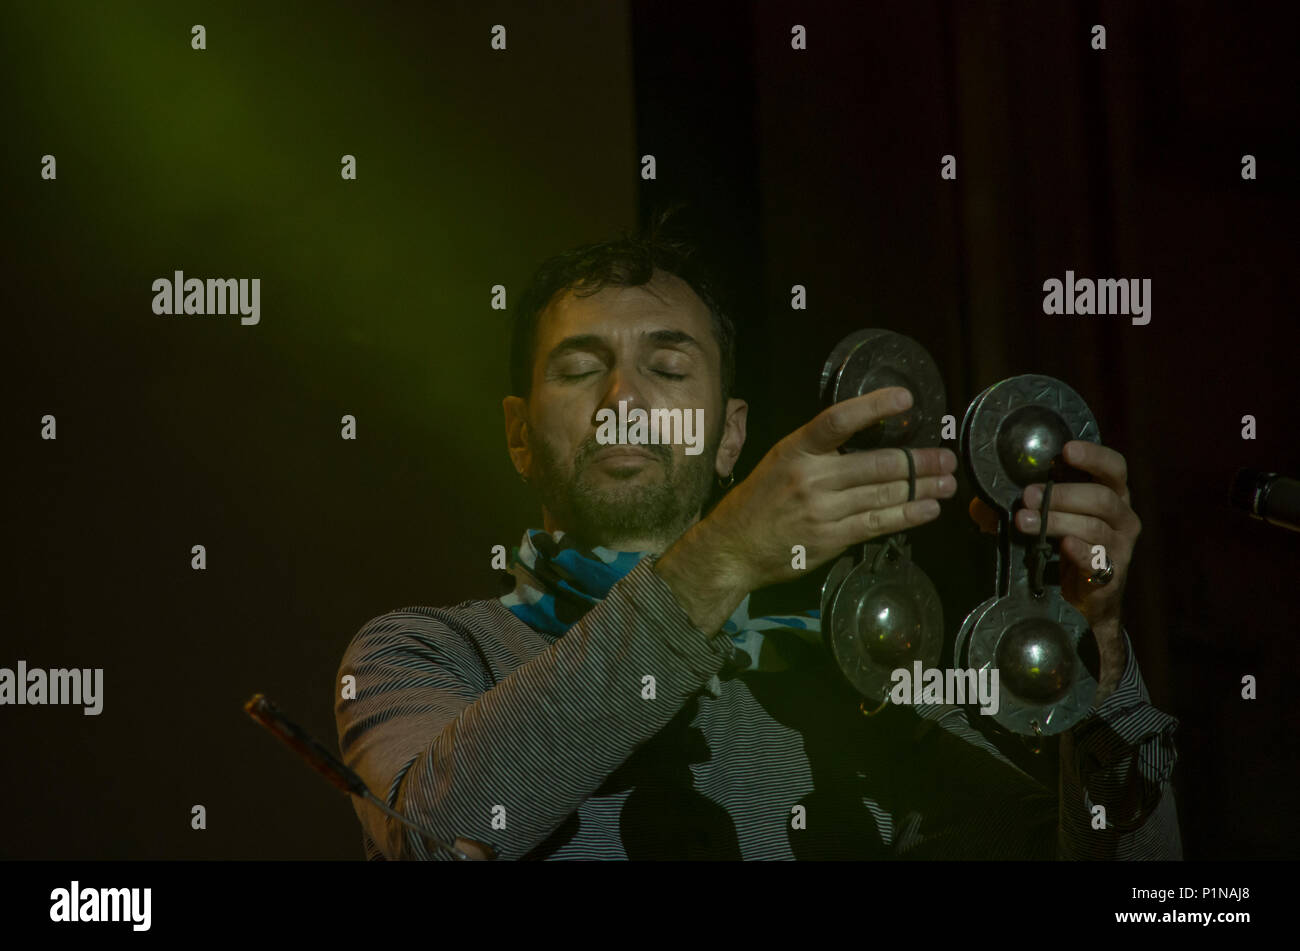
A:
[516,413]
[733,437]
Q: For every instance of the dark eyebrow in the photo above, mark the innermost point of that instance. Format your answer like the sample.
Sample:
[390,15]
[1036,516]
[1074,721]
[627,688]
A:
[665,337]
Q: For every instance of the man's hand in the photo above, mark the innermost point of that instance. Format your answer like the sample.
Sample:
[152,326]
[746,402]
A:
[804,492]
[1083,514]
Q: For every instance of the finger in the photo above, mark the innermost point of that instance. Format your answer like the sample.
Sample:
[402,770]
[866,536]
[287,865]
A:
[475,850]
[1082,498]
[1084,527]
[1101,462]
[1079,554]
[898,518]
[833,426]
[984,516]
[886,465]
[880,495]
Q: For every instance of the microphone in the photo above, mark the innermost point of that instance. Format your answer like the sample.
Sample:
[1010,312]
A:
[1268,497]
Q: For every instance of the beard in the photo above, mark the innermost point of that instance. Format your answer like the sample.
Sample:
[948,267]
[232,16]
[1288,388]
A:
[607,515]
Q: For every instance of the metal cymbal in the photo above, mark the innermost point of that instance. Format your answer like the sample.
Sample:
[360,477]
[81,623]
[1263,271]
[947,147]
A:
[868,360]
[882,620]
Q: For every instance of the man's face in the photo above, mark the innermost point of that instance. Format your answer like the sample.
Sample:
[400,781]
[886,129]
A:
[651,347]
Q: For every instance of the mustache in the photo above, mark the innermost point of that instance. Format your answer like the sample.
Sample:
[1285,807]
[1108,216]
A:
[590,447]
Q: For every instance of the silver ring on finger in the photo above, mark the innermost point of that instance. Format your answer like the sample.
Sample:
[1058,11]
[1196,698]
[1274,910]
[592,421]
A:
[1103,577]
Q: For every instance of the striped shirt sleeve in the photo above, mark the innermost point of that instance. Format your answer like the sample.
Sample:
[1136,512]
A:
[1120,757]
[508,762]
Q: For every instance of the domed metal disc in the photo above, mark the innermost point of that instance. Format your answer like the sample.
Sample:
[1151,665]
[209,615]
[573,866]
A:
[1016,434]
[1034,646]
[882,621]
[868,360]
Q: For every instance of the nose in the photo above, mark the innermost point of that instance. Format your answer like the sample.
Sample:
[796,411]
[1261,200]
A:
[623,387]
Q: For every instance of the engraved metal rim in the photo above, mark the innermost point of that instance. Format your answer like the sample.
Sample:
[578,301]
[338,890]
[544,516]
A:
[992,482]
[839,356]
[865,675]
[963,635]
[1016,713]
[963,435]
[834,578]
[889,349]
[839,571]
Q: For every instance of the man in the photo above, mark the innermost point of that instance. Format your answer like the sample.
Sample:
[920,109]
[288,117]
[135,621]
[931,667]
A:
[619,702]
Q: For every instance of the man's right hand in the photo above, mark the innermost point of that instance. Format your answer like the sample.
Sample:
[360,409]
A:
[805,492]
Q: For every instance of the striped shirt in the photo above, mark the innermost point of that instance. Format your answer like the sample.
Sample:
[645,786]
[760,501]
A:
[473,724]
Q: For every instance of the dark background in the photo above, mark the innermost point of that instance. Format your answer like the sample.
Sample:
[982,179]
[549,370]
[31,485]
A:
[816,167]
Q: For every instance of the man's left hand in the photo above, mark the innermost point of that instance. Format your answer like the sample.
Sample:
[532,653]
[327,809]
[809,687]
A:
[1081,515]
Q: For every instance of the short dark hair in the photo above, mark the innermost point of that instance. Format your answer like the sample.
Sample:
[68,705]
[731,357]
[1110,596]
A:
[629,260]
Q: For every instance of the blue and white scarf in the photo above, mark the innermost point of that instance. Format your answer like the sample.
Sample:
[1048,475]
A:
[556,583]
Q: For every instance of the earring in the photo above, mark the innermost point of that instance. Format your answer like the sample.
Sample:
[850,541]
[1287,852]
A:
[730,481]
[523,478]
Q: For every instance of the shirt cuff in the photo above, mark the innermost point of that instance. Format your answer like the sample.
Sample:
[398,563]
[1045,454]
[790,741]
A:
[1125,721]
[653,598]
